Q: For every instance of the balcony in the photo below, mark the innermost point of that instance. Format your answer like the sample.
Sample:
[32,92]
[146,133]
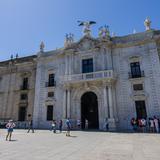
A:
[92,76]
[137,75]
[24,87]
[48,84]
[23,102]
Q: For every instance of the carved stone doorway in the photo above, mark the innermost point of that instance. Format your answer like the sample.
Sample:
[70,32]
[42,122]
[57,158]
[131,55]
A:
[89,110]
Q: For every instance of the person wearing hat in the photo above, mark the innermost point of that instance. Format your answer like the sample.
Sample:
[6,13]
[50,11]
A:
[10,125]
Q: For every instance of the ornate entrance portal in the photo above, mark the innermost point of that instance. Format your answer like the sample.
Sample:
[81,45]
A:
[89,110]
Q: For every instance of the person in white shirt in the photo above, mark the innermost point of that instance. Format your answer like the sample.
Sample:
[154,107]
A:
[151,125]
[143,122]
[78,124]
[10,125]
[54,126]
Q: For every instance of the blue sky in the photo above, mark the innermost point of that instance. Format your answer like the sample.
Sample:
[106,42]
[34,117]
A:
[25,23]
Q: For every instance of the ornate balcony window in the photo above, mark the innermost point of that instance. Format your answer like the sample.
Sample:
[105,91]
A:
[25,84]
[51,81]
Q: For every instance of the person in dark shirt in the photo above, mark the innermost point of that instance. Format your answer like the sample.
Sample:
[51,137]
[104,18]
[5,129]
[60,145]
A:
[68,124]
[30,126]
[60,125]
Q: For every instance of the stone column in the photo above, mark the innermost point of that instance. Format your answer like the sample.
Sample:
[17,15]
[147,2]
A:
[69,64]
[103,55]
[105,101]
[64,105]
[78,109]
[112,124]
[110,101]
[66,65]
[68,103]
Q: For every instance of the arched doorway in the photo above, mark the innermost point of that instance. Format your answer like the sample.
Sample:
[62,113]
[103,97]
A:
[89,110]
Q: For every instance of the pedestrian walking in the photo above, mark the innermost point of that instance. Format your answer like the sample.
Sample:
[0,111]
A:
[143,123]
[54,126]
[30,126]
[60,125]
[106,124]
[78,124]
[134,124]
[86,123]
[68,124]
[151,125]
[10,125]
[156,124]
[139,125]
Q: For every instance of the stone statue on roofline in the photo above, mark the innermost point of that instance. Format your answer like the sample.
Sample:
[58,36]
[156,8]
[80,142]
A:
[113,34]
[69,39]
[11,56]
[17,55]
[104,32]
[42,47]
[86,27]
[147,24]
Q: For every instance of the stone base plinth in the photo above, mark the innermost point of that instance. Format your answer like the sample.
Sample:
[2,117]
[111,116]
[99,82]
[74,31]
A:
[112,124]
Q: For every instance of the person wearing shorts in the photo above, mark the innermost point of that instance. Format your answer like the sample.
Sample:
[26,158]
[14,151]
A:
[10,125]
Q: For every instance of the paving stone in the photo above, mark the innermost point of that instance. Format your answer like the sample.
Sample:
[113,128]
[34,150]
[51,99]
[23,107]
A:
[45,145]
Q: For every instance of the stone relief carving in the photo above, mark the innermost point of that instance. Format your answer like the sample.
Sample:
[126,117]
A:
[26,74]
[86,45]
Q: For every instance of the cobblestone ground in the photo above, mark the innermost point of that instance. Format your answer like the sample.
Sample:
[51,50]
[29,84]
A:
[45,145]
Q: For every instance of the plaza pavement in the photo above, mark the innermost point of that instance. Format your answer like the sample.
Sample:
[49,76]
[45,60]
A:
[45,145]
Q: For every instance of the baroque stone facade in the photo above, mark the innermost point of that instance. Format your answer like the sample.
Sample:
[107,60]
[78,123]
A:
[95,78]
[17,88]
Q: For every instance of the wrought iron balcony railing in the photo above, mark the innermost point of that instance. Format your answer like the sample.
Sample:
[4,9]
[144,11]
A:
[136,75]
[48,84]
[24,87]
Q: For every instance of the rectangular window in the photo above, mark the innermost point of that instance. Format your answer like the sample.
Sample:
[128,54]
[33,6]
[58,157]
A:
[135,69]
[141,109]
[25,83]
[22,113]
[49,113]
[51,81]
[87,65]
[24,96]
[137,87]
[50,94]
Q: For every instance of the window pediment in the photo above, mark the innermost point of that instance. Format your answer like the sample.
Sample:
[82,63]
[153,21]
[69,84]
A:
[133,59]
[26,74]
